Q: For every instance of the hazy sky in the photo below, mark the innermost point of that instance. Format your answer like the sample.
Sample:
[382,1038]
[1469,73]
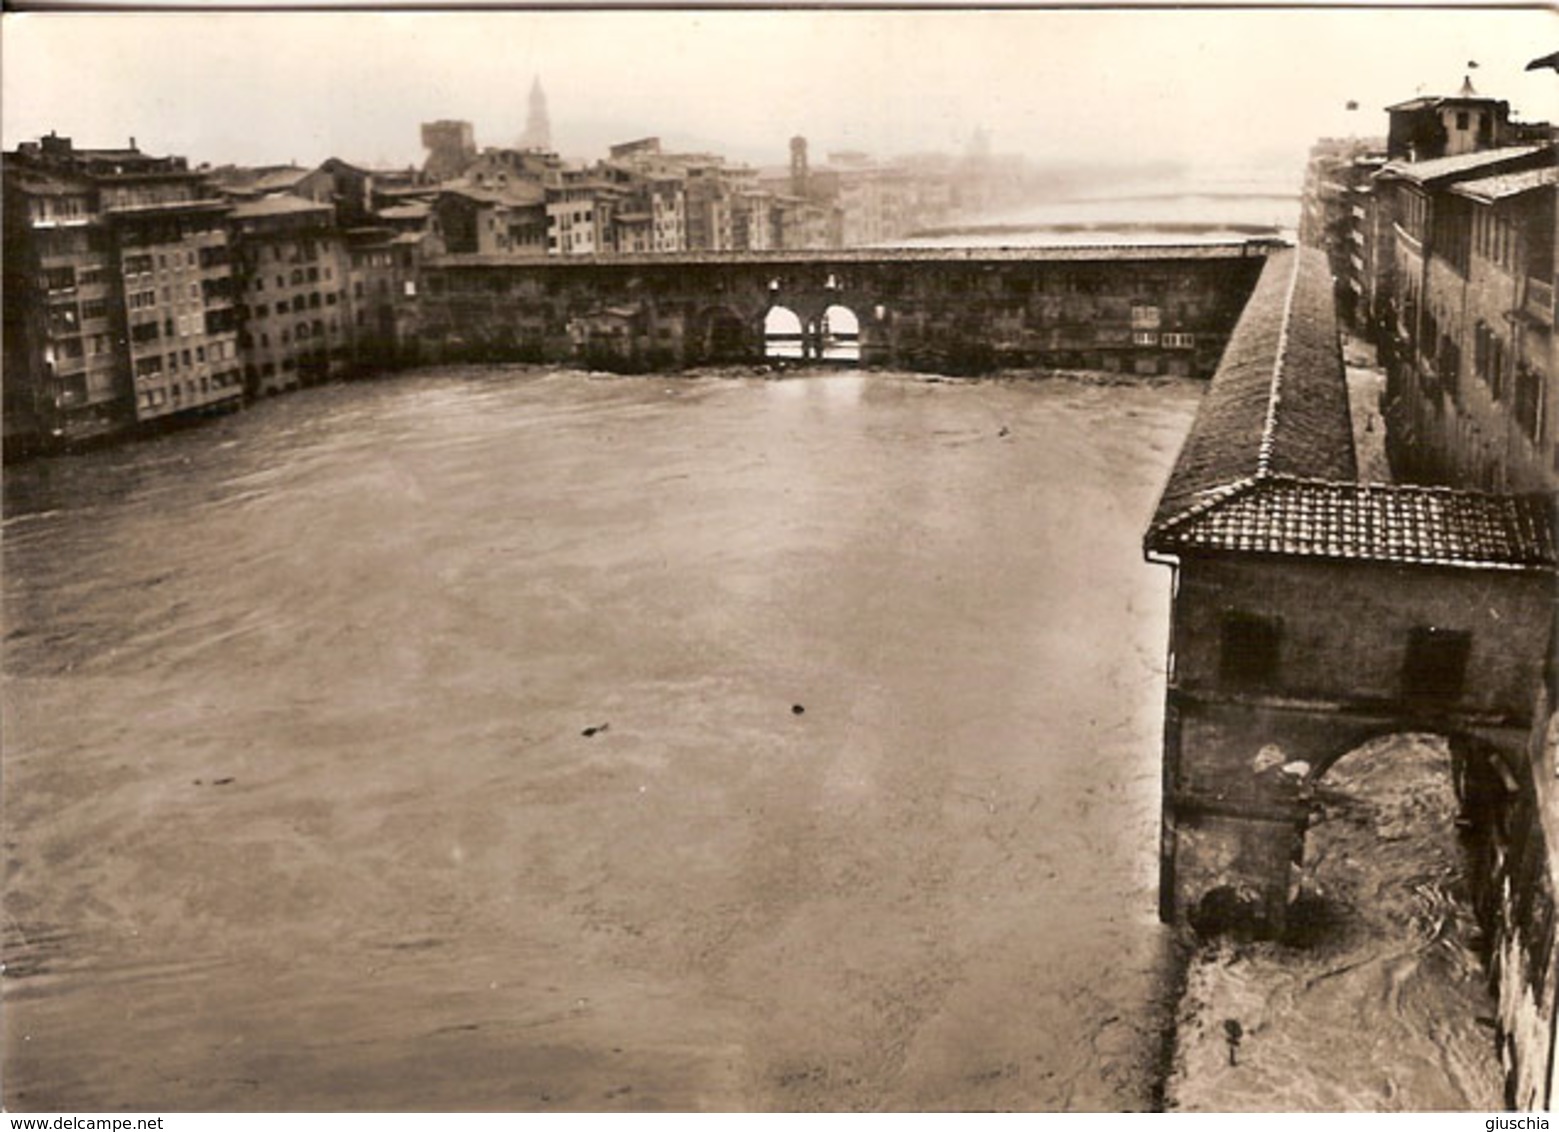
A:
[1199,86]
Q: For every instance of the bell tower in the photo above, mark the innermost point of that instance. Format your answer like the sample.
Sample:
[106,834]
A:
[538,129]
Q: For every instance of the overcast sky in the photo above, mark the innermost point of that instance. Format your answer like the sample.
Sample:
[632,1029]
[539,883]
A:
[1229,86]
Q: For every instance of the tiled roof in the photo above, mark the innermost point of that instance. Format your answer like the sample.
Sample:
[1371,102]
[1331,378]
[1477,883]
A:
[1268,466]
[1424,101]
[1426,526]
[278,205]
[417,210]
[522,194]
[40,181]
[1422,172]
[1278,403]
[1489,189]
[265,179]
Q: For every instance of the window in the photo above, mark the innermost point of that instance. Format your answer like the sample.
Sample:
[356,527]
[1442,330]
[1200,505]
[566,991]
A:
[64,320]
[1462,121]
[1529,402]
[1436,665]
[1248,656]
[1448,363]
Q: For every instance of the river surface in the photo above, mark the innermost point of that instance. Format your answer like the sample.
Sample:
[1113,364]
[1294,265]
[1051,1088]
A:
[526,740]
[302,812]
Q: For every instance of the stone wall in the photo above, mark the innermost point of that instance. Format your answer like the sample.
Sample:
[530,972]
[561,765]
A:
[1133,310]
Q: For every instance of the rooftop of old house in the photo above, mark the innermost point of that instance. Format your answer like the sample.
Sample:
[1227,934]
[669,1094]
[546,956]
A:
[259,180]
[1442,169]
[277,205]
[1269,468]
[1503,185]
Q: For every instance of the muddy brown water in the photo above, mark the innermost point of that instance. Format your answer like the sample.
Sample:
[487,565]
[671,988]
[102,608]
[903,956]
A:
[432,744]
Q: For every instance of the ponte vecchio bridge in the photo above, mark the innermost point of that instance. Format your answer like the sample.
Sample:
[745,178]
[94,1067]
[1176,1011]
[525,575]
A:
[1144,309]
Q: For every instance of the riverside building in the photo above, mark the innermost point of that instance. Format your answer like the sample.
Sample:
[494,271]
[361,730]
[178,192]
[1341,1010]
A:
[120,303]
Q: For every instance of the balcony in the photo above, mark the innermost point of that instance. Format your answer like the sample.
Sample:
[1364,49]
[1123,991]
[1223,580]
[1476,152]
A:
[1540,301]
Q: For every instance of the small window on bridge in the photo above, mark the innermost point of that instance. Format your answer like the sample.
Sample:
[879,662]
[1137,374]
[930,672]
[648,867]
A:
[1249,650]
[1436,666]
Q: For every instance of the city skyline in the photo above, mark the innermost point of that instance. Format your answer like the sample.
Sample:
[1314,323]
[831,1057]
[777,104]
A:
[1208,87]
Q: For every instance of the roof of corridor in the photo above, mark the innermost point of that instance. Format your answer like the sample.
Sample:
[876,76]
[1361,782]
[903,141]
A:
[1442,169]
[1268,466]
[826,256]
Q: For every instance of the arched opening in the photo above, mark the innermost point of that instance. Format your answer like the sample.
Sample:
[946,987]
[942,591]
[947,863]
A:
[1384,927]
[722,337]
[782,337]
[839,333]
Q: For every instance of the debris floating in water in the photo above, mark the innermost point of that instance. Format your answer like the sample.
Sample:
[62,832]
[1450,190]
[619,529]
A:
[797,709]
[589,731]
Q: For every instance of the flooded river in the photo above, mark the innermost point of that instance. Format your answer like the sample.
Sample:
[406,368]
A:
[505,739]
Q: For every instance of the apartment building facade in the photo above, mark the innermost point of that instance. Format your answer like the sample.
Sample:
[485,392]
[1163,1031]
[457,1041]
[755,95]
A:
[291,276]
[1466,328]
[128,312]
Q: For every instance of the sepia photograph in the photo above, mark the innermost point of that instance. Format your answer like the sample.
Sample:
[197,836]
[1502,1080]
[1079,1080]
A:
[780,560]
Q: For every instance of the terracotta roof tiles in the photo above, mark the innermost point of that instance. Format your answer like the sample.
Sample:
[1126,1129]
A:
[1268,466]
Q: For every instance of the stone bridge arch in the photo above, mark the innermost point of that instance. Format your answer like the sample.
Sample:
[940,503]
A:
[723,334]
[811,300]
[1486,765]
